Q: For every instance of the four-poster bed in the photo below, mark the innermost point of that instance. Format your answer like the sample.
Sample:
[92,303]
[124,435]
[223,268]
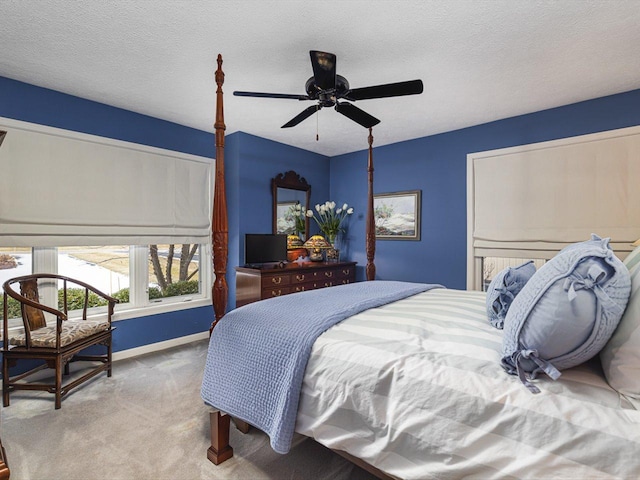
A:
[411,388]
[220,450]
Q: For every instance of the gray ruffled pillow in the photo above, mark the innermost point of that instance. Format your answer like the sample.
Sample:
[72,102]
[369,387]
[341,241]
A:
[503,289]
[566,313]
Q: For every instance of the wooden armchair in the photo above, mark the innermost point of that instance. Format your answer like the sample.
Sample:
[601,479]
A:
[56,345]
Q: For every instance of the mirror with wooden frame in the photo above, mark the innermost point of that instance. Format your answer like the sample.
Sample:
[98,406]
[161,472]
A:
[291,197]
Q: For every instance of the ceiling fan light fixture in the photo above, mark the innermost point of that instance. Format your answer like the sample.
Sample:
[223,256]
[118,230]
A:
[328,88]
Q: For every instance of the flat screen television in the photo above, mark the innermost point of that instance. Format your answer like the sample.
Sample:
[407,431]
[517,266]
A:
[262,248]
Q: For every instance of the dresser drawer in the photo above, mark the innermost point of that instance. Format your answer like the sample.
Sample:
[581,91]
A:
[347,272]
[276,291]
[276,280]
[325,274]
[301,277]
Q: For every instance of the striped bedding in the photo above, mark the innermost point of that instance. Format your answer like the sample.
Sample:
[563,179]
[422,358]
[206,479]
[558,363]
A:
[415,388]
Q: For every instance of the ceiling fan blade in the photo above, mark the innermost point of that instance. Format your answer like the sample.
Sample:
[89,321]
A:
[306,113]
[271,95]
[357,115]
[412,87]
[324,69]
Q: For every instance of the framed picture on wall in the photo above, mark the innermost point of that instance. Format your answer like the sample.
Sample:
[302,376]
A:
[397,215]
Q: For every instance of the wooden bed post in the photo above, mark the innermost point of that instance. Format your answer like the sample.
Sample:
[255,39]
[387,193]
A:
[220,450]
[219,221]
[371,223]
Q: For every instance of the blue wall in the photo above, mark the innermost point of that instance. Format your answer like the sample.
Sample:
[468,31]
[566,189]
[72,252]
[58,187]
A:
[437,166]
[255,161]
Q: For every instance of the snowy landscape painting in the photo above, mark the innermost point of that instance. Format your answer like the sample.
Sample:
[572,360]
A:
[397,215]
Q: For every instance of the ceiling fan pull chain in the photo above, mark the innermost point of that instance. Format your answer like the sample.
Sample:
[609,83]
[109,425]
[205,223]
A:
[317,121]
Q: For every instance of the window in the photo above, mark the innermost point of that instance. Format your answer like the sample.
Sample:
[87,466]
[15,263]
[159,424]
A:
[104,267]
[101,231]
[174,271]
[533,200]
[122,271]
[14,262]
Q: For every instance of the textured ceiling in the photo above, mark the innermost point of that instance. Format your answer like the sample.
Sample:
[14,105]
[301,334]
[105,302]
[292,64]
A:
[479,60]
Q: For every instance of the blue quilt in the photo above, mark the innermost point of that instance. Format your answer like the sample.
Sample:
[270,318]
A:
[258,353]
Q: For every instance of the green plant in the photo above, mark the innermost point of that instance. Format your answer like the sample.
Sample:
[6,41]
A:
[182,288]
[122,295]
[75,299]
[154,293]
[13,307]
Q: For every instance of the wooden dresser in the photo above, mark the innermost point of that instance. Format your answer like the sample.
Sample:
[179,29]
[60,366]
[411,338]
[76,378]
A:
[253,284]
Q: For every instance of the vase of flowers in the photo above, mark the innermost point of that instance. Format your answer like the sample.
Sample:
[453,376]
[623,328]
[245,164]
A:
[330,219]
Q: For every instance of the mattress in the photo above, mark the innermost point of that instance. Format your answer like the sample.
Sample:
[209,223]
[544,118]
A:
[415,388]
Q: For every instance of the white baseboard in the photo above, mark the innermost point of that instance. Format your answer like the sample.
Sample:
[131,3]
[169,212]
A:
[156,347]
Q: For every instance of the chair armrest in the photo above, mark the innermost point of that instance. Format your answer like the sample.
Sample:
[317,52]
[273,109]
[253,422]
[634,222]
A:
[16,296]
[108,298]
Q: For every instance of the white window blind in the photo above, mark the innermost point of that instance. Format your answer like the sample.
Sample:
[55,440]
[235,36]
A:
[64,188]
[533,200]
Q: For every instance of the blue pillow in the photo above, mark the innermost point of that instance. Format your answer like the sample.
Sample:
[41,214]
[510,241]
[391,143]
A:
[566,313]
[503,289]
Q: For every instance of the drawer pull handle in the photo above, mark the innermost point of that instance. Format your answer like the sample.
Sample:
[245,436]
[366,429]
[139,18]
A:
[276,293]
[300,278]
[345,271]
[328,274]
[299,289]
[276,280]
[328,284]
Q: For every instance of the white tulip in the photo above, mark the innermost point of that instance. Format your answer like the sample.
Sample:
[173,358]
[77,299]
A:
[338,211]
[350,211]
[344,207]
[318,207]
[309,213]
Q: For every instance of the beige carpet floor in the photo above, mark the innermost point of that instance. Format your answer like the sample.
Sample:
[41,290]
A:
[146,422]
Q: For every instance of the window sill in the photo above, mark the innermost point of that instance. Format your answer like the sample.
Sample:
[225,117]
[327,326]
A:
[158,308]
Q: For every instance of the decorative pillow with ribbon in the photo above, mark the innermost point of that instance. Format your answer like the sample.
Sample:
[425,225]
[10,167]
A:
[566,313]
[503,289]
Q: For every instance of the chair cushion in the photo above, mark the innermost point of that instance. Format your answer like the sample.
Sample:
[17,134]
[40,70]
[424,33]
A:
[503,289]
[567,312]
[72,330]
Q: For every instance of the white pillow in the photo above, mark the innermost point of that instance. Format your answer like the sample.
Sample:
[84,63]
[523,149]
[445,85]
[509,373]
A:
[632,259]
[620,357]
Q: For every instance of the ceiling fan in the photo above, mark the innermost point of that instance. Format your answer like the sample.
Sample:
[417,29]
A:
[329,89]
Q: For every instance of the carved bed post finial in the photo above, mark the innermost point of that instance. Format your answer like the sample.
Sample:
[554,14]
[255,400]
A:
[371,224]
[219,221]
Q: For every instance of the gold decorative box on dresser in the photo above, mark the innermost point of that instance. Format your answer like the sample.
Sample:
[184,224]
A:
[253,284]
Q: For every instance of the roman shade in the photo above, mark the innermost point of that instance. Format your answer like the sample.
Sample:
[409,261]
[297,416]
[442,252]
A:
[64,188]
[534,200]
